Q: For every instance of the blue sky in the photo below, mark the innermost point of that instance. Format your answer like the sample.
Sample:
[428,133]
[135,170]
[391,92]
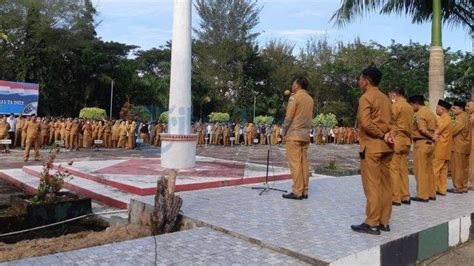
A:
[148,23]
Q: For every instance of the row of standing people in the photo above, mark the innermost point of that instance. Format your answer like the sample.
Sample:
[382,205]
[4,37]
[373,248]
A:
[248,134]
[34,132]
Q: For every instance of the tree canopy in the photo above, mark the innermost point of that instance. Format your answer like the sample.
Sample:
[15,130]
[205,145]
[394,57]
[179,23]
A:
[54,43]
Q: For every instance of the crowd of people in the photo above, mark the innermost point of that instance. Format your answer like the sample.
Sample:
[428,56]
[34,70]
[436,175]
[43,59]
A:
[32,132]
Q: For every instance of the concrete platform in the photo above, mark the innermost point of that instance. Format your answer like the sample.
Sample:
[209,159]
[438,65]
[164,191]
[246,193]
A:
[318,231]
[193,247]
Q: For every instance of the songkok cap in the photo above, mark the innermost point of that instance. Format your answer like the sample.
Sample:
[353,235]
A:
[460,104]
[444,104]
[417,99]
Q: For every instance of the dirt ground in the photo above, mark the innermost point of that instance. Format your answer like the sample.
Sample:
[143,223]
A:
[462,255]
[40,247]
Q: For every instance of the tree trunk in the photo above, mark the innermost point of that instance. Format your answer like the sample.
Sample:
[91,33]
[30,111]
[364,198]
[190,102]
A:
[436,67]
[167,206]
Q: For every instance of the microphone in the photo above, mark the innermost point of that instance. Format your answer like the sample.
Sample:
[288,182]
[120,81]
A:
[287,93]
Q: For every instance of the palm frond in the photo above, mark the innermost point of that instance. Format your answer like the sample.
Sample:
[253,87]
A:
[454,12]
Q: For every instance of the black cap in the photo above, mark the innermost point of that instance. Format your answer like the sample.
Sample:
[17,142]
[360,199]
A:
[420,99]
[444,104]
[460,104]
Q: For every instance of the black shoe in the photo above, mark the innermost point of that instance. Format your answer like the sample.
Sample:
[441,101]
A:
[366,229]
[292,196]
[432,198]
[385,228]
[305,196]
[396,203]
[451,190]
[439,193]
[407,202]
[419,199]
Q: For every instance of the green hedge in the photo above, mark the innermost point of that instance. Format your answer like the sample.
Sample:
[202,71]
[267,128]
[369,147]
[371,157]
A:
[219,117]
[264,119]
[325,120]
[164,117]
[93,113]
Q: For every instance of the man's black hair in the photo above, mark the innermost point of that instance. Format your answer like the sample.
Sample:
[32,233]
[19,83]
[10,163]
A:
[302,82]
[372,74]
[419,99]
[398,90]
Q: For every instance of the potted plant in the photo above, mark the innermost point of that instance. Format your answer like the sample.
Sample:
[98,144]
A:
[50,204]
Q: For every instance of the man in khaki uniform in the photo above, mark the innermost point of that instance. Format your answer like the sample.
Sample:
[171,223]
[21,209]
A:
[402,116]
[442,155]
[297,125]
[461,149]
[74,138]
[67,132]
[23,132]
[424,125]
[44,127]
[4,127]
[237,134]
[374,121]
[18,131]
[226,134]
[33,138]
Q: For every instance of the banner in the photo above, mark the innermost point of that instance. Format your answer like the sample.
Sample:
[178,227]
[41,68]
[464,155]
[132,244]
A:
[18,98]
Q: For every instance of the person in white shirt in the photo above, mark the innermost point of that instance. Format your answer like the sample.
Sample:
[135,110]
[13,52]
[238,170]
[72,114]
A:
[11,132]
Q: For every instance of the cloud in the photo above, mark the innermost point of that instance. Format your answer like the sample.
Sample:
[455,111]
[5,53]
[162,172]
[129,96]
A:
[298,33]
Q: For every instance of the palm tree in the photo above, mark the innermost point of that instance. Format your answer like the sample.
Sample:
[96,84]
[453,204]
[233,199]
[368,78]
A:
[454,12]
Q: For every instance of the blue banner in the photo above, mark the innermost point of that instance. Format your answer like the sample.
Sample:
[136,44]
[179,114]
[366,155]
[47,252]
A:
[18,98]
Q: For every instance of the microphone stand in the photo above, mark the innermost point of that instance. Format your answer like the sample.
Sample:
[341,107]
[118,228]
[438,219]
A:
[266,187]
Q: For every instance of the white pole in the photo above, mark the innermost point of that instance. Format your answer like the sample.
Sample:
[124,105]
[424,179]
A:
[178,149]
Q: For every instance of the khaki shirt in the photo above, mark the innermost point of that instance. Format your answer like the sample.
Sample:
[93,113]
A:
[299,116]
[4,127]
[32,129]
[444,128]
[44,128]
[424,124]
[20,124]
[462,134]
[402,116]
[374,117]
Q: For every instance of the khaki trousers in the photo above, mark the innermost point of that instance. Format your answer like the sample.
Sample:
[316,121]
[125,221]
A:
[23,139]
[375,170]
[34,142]
[297,152]
[67,136]
[399,175]
[122,142]
[74,141]
[425,181]
[440,168]
[459,171]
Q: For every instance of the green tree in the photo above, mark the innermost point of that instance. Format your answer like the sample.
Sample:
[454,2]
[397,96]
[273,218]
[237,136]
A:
[455,12]
[226,57]
[140,113]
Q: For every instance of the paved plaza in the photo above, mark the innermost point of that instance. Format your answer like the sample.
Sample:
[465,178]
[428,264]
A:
[318,229]
[201,246]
